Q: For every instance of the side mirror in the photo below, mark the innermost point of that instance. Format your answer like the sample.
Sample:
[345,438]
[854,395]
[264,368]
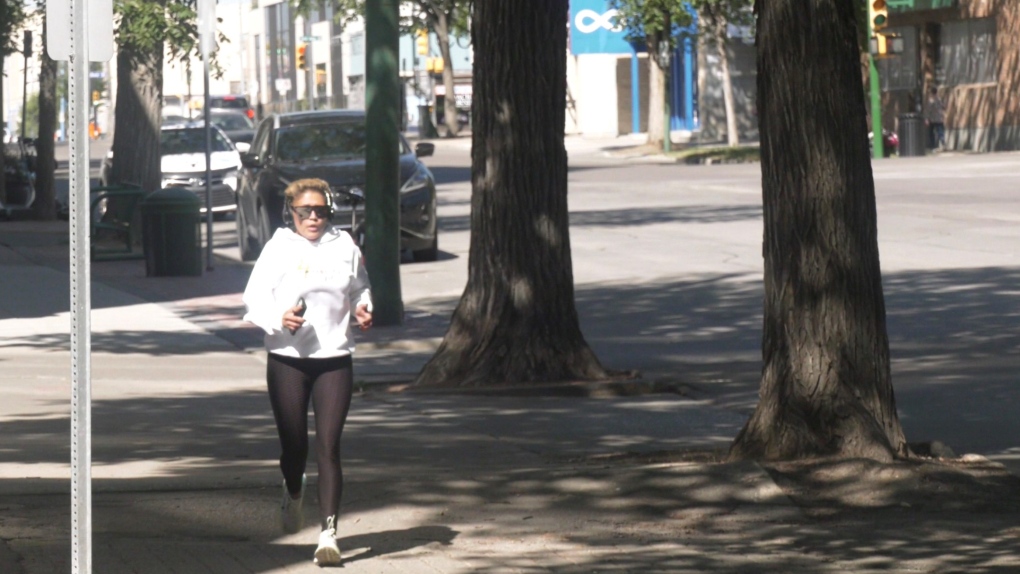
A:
[250,160]
[242,147]
[424,149]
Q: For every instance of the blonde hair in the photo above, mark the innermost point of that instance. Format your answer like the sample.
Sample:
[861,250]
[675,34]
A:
[300,186]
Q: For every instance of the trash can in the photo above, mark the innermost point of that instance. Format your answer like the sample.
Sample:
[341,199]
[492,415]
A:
[912,136]
[171,233]
[426,129]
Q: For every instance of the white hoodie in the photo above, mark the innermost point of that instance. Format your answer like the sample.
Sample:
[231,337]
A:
[329,274]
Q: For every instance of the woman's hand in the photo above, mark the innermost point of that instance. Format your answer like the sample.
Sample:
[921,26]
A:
[364,316]
[292,319]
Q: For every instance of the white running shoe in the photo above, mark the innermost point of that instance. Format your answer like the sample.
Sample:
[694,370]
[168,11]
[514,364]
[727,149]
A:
[328,552]
[292,516]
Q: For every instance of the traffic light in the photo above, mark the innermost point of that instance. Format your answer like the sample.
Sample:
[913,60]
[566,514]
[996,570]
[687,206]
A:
[878,14]
[302,61]
[422,42]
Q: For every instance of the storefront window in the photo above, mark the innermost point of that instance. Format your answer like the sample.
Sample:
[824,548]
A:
[967,54]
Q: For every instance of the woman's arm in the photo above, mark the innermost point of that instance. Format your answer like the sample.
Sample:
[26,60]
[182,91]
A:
[263,309]
[360,292]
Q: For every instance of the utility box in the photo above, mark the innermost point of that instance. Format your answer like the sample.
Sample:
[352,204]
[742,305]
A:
[172,233]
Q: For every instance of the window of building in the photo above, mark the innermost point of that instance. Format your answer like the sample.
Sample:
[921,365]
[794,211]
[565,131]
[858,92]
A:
[900,71]
[967,53]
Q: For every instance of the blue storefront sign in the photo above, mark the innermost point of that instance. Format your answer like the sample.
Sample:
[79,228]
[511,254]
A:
[594,30]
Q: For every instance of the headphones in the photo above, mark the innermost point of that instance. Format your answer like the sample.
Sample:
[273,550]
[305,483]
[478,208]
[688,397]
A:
[288,215]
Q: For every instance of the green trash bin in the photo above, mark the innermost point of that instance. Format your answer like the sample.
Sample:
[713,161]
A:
[171,233]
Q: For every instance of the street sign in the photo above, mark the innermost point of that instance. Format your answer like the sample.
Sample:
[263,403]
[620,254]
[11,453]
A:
[99,24]
[282,85]
[594,29]
[206,26]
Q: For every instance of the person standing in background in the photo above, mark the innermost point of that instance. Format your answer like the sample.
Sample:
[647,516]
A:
[935,119]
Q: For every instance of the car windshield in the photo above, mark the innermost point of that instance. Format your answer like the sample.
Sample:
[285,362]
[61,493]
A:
[342,140]
[230,122]
[190,140]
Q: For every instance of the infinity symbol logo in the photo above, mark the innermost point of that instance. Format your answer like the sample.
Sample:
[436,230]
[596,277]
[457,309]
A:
[588,21]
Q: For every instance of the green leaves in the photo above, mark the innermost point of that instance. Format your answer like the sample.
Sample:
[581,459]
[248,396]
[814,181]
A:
[12,15]
[146,26]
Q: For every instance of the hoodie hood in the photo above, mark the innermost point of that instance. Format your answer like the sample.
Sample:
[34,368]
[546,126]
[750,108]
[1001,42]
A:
[333,233]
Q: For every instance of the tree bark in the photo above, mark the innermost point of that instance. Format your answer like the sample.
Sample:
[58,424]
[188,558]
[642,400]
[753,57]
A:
[516,321]
[732,135]
[826,388]
[44,207]
[442,26]
[136,157]
[3,151]
[657,90]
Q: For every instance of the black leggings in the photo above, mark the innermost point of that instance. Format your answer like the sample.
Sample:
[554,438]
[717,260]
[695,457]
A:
[328,383]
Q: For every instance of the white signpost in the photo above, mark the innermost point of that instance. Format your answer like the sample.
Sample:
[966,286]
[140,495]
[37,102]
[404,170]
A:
[80,31]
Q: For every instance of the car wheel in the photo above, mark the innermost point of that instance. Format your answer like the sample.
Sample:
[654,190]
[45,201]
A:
[244,243]
[429,254]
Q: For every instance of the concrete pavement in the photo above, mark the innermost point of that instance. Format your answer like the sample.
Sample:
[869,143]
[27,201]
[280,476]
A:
[184,444]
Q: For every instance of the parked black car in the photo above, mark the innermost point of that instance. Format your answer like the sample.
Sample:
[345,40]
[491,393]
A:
[330,145]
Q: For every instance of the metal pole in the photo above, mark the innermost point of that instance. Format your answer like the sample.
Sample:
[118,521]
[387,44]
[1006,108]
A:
[310,66]
[877,143]
[382,160]
[207,12]
[26,51]
[81,296]
[208,175]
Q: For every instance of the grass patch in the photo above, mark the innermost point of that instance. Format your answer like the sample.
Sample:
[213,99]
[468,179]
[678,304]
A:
[718,154]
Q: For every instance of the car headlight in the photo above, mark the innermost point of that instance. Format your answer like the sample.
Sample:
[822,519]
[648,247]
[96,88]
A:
[418,180]
[230,179]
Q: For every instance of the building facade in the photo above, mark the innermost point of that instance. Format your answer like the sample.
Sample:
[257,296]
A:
[967,50]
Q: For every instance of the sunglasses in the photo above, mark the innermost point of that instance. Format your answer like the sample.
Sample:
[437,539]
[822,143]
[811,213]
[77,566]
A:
[306,211]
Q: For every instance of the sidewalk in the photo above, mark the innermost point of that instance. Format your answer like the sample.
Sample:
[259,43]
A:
[186,480]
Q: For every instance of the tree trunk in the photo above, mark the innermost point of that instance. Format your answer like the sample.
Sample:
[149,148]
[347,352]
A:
[732,135]
[3,154]
[656,103]
[450,99]
[826,388]
[44,207]
[136,156]
[516,321]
